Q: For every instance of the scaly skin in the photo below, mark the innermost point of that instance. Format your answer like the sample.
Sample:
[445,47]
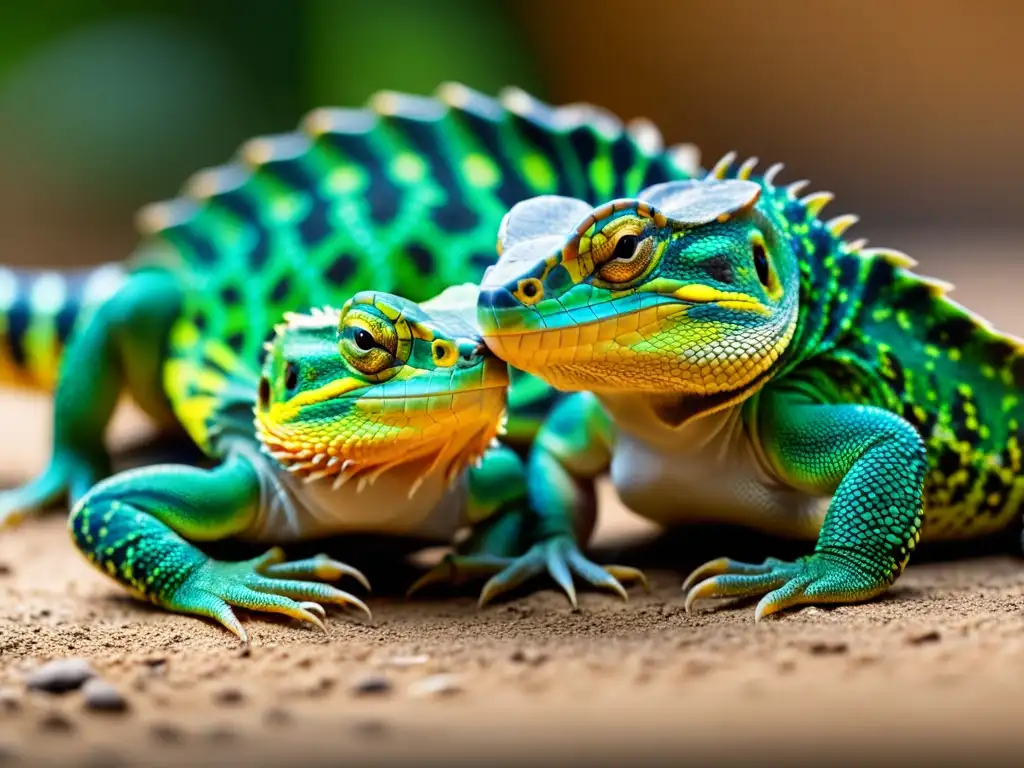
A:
[738,360]
[404,196]
[366,419]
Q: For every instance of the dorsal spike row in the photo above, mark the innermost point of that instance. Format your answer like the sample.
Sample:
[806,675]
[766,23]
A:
[266,149]
[337,120]
[890,256]
[721,168]
[685,157]
[840,224]
[646,135]
[606,123]
[794,189]
[771,174]
[406,106]
[857,246]
[747,168]
[816,201]
[210,182]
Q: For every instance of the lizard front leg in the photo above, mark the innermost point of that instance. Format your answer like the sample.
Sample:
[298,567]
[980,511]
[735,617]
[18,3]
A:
[873,464]
[137,527]
[571,450]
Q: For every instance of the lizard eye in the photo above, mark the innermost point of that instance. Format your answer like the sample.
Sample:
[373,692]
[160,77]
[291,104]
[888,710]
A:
[364,340]
[291,376]
[630,258]
[761,264]
[625,248]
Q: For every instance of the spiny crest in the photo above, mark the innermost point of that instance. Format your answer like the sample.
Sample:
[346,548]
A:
[259,152]
[815,202]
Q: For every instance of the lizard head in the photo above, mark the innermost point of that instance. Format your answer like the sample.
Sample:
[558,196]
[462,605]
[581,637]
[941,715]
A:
[382,382]
[687,293]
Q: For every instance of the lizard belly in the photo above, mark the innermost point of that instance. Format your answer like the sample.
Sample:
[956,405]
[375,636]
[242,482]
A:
[292,510]
[708,472]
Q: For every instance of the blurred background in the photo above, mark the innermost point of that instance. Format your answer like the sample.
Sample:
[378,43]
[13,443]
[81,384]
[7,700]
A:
[909,110]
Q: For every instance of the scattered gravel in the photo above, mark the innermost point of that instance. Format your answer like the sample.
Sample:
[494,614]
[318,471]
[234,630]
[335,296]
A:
[372,684]
[229,696]
[60,676]
[407,661]
[436,685]
[101,696]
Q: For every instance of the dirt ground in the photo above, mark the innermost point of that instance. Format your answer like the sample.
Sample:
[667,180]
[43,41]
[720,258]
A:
[930,673]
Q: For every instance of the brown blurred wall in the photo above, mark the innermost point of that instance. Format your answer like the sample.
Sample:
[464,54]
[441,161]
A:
[912,111]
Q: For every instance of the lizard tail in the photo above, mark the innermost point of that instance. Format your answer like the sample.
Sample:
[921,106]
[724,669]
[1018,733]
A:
[39,310]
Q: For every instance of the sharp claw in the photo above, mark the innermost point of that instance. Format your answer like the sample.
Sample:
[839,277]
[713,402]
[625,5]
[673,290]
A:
[707,588]
[356,574]
[315,608]
[306,614]
[716,567]
[626,573]
[330,569]
[614,585]
[488,593]
[559,571]
[353,600]
[765,607]
[436,574]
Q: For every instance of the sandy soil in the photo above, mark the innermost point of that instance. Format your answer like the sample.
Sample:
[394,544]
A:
[933,669]
[932,672]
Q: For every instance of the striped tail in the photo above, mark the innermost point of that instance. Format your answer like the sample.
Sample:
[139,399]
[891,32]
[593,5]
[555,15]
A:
[39,309]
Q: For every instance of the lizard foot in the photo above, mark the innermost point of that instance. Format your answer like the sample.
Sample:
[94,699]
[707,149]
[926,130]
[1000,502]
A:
[62,479]
[263,584]
[458,569]
[812,579]
[560,557]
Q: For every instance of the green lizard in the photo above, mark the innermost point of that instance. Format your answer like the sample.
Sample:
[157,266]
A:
[737,360]
[404,197]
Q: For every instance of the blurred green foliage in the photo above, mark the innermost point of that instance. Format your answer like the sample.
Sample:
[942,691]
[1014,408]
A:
[122,99]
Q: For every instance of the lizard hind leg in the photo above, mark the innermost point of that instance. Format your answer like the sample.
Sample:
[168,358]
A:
[122,342]
[138,528]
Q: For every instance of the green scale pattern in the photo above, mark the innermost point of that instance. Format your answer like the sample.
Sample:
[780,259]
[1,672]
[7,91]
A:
[405,197]
[871,331]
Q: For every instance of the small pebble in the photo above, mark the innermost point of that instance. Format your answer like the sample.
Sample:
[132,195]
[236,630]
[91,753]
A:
[923,638]
[371,684]
[436,685]
[101,696]
[533,658]
[157,665]
[229,696]
[60,676]
[5,569]
[407,661]
[827,649]
[56,722]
